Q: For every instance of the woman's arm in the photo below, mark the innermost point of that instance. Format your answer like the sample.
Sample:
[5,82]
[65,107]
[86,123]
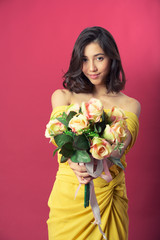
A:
[135,107]
[118,154]
[62,97]
[80,171]
[132,105]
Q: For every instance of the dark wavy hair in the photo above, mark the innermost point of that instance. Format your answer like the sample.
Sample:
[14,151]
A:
[76,81]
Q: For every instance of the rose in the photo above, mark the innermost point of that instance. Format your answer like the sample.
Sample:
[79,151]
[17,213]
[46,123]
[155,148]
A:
[121,129]
[116,114]
[73,107]
[100,148]
[93,109]
[78,123]
[110,134]
[53,128]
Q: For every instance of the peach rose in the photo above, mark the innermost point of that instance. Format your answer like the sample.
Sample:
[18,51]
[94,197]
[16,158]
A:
[100,148]
[73,107]
[121,129]
[54,127]
[110,134]
[116,114]
[93,109]
[78,123]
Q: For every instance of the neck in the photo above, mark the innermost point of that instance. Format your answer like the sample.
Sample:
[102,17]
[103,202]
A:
[101,90]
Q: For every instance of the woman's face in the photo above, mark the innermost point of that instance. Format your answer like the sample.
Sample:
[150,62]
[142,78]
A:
[96,65]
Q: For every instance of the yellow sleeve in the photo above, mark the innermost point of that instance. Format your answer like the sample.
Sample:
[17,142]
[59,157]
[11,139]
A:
[133,127]
[55,113]
[58,110]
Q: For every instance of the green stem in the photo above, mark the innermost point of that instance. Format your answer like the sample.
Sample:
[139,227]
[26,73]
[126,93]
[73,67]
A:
[86,195]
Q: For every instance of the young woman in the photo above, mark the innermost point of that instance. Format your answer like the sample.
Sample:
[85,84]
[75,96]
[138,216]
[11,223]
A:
[95,71]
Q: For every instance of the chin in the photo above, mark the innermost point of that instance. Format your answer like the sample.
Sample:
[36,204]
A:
[96,82]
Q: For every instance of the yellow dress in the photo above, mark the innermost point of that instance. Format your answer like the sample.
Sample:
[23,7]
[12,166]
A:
[69,220]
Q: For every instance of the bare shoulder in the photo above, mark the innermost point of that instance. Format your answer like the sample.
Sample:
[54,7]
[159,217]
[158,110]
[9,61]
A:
[60,97]
[132,105]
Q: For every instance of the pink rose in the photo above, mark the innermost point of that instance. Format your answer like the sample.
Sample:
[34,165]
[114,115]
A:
[100,148]
[110,134]
[116,114]
[93,109]
[121,129]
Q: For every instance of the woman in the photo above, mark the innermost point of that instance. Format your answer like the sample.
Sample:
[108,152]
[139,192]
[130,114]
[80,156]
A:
[95,71]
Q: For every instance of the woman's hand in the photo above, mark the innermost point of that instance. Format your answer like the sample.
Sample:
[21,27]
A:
[80,172]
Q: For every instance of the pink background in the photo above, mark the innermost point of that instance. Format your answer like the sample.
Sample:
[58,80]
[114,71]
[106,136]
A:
[36,41]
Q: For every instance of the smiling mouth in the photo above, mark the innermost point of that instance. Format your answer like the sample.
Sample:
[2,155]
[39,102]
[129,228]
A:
[93,76]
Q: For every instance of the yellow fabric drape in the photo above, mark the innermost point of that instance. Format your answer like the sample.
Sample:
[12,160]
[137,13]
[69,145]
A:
[69,220]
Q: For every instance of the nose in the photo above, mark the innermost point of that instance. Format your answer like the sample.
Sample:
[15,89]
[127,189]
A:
[92,67]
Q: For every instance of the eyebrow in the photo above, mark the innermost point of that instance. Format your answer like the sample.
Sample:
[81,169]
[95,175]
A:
[96,54]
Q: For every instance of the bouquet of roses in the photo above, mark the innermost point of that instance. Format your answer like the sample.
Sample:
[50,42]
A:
[86,133]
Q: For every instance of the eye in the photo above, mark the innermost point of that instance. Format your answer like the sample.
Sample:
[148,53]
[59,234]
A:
[84,59]
[100,58]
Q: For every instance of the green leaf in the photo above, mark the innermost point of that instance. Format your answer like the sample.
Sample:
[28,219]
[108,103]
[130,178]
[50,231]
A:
[70,133]
[105,118]
[119,147]
[56,151]
[86,195]
[89,133]
[95,129]
[116,161]
[63,159]
[93,134]
[67,150]
[62,120]
[63,138]
[115,148]
[64,115]
[81,142]
[80,110]
[81,156]
[99,127]
[70,116]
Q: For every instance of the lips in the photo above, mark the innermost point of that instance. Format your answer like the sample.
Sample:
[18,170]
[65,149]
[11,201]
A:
[93,76]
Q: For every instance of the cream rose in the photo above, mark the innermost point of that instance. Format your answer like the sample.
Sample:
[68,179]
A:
[93,109]
[54,127]
[116,114]
[100,148]
[78,123]
[73,107]
[110,134]
[121,129]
